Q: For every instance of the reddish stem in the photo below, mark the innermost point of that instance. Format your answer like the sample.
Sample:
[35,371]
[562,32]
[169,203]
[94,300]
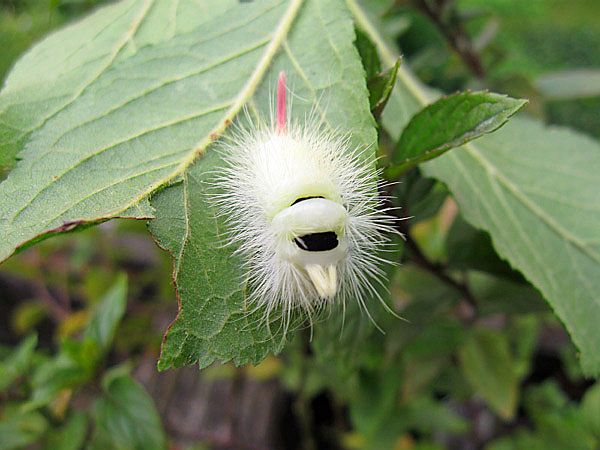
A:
[281,104]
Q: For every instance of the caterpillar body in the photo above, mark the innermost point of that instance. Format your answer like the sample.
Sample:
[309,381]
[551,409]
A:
[304,212]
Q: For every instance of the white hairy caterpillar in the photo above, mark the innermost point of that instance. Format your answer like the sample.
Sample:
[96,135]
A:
[304,212]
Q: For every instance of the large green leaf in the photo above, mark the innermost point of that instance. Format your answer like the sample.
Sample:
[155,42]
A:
[540,204]
[325,72]
[535,190]
[105,111]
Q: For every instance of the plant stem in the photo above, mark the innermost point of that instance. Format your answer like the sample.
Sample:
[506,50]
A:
[454,32]
[467,314]
[439,271]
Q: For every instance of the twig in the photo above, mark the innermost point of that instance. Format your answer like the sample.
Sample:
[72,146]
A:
[454,32]
[439,271]
[59,307]
[469,313]
[54,307]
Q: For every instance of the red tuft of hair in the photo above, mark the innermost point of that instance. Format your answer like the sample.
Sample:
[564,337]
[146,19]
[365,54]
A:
[281,104]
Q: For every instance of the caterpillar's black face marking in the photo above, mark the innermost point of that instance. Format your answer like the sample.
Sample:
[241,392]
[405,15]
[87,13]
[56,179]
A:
[301,199]
[317,242]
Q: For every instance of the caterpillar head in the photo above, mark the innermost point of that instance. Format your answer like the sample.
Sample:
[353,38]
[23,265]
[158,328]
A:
[311,234]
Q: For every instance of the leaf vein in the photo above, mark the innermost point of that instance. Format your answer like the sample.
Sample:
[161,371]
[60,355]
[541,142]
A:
[104,188]
[165,83]
[524,199]
[132,29]
[177,121]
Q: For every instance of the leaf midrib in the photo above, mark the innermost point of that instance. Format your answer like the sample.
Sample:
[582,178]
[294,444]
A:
[524,199]
[184,76]
[245,94]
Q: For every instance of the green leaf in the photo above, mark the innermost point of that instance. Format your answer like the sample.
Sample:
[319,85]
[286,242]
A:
[489,367]
[213,322]
[374,407]
[541,207]
[570,84]
[107,315]
[107,110]
[423,196]
[451,122]
[380,88]
[380,83]
[591,409]
[18,428]
[17,363]
[524,335]
[439,339]
[429,416]
[429,299]
[70,436]
[368,54]
[534,190]
[426,355]
[558,422]
[70,368]
[497,295]
[125,418]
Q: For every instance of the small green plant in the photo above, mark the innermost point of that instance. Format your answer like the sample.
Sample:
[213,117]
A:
[37,389]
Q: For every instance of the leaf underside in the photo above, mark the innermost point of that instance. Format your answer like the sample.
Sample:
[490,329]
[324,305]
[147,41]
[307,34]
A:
[534,189]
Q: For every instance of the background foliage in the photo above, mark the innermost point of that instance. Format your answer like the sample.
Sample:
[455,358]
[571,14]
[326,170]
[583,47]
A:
[482,361]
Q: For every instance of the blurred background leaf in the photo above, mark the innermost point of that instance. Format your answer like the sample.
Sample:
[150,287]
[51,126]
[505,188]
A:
[125,416]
